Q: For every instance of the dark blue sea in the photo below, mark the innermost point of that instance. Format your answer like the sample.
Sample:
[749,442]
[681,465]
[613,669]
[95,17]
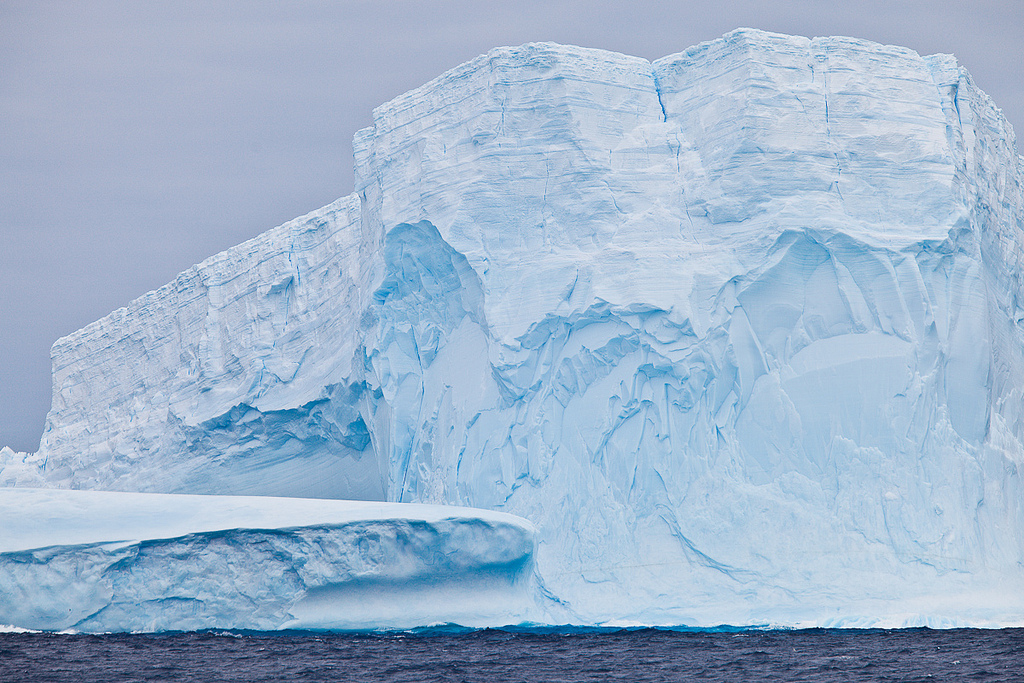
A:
[630,655]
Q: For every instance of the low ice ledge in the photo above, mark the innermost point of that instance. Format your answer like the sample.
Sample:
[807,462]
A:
[42,518]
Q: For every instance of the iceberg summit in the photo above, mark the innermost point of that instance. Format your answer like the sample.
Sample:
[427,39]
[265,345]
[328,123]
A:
[733,337]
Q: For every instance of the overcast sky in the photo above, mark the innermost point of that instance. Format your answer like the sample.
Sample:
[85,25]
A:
[138,138]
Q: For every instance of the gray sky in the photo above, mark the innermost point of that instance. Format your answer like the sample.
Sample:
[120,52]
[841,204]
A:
[138,138]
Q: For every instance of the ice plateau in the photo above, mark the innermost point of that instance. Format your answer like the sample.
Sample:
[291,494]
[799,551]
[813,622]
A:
[739,331]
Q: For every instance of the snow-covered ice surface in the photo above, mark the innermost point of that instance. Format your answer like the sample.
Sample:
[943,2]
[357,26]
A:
[106,561]
[741,331]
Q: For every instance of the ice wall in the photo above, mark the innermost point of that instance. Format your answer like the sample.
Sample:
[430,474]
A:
[749,332]
[739,331]
[235,378]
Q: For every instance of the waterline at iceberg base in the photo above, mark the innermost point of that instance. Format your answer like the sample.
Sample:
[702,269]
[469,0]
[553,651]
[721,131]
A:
[740,332]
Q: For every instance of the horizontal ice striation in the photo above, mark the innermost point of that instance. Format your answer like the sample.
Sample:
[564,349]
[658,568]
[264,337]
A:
[740,331]
[100,561]
[812,132]
[235,378]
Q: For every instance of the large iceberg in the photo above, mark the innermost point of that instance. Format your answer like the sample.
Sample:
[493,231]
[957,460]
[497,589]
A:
[740,331]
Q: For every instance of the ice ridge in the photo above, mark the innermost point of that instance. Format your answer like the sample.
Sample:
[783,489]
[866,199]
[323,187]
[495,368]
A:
[739,330]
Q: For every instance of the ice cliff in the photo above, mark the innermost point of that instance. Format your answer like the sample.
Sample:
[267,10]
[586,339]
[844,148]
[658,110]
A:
[741,331]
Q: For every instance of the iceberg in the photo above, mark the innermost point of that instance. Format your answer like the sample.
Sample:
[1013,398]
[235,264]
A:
[739,331]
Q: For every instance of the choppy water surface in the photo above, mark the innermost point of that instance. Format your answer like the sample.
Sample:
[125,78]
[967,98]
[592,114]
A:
[642,655]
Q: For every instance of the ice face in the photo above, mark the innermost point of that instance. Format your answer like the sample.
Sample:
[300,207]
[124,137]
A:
[236,378]
[738,330]
[99,561]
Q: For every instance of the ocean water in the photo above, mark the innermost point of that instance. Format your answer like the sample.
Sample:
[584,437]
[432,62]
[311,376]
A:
[492,655]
